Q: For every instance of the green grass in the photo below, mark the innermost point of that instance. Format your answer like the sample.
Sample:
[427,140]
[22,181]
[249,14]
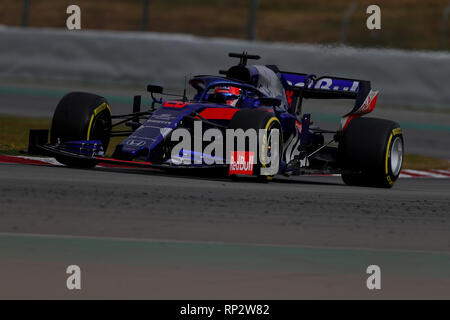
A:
[14,132]
[418,162]
[14,139]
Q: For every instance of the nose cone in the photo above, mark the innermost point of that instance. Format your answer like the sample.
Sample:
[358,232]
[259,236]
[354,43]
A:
[129,151]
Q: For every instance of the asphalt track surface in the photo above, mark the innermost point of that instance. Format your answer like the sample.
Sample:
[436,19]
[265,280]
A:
[153,234]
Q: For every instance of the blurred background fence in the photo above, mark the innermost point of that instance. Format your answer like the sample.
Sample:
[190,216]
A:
[407,24]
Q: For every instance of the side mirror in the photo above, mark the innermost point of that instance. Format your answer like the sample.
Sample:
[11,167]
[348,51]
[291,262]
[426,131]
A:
[154,89]
[268,102]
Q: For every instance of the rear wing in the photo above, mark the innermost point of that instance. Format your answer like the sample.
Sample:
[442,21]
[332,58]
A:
[302,85]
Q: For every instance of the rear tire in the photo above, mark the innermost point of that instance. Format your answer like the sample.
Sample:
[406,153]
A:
[257,119]
[81,116]
[373,150]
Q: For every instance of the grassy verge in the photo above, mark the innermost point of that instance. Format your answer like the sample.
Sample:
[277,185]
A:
[14,138]
[14,132]
[418,162]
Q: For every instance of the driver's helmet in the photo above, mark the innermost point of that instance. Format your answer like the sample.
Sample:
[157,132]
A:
[230,94]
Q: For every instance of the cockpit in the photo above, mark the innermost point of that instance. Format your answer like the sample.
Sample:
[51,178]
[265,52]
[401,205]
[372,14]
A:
[224,91]
[242,87]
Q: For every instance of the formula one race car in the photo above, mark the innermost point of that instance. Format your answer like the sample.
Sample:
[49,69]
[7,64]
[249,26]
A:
[257,107]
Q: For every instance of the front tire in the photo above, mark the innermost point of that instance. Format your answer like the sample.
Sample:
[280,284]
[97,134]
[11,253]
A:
[371,152]
[81,116]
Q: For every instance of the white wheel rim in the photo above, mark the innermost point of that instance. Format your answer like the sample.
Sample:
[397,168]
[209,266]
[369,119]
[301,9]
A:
[396,156]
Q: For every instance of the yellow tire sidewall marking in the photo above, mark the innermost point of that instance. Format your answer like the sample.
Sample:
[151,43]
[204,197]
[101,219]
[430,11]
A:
[264,142]
[387,154]
[97,110]
[395,132]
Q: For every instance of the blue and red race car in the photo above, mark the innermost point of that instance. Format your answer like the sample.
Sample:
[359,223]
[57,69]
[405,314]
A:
[247,121]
